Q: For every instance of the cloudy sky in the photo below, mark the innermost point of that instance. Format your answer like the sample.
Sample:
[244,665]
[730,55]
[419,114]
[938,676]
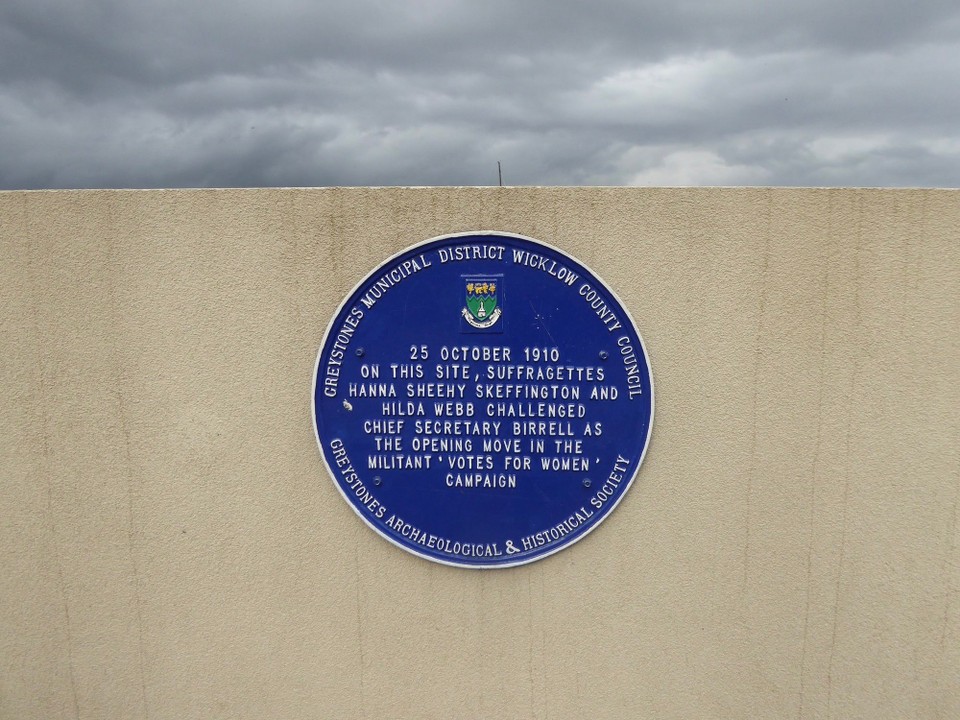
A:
[209,93]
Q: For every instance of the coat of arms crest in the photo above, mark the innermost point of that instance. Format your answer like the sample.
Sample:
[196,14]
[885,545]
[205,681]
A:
[482,309]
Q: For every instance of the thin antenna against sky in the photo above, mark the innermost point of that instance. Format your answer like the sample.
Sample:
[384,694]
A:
[499,173]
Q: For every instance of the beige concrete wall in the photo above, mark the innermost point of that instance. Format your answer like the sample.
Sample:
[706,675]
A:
[171,546]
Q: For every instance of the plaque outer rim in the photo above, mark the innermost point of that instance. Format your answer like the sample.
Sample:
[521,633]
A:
[332,474]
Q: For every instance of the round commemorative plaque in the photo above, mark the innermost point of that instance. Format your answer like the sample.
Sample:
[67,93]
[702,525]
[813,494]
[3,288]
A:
[482,400]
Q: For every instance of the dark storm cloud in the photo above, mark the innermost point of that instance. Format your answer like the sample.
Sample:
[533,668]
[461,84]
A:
[111,94]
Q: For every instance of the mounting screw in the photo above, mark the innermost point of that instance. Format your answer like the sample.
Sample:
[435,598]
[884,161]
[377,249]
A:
[359,352]
[604,354]
[377,480]
[586,482]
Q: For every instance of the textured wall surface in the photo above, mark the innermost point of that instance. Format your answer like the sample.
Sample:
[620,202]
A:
[171,546]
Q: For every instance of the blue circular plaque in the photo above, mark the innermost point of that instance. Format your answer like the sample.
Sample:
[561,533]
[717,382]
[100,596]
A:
[482,400]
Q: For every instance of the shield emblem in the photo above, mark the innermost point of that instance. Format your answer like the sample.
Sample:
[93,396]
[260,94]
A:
[482,307]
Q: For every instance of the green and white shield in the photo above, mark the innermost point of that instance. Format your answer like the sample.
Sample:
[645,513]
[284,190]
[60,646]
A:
[482,302]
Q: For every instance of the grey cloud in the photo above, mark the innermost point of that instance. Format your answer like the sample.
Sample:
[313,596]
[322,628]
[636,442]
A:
[109,94]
